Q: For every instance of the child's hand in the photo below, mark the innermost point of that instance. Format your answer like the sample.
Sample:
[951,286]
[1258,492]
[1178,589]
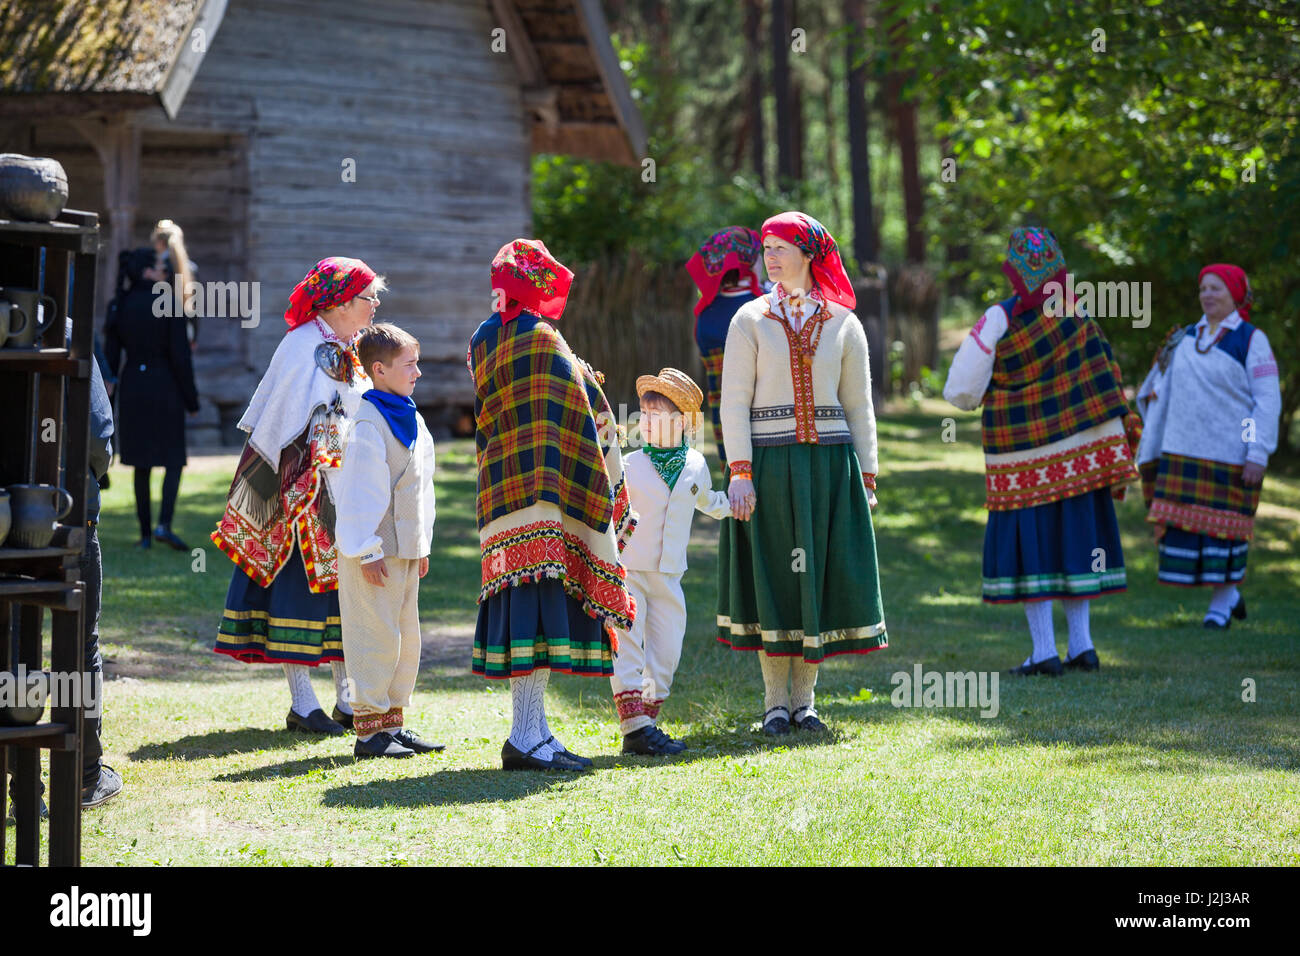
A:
[375,572]
[424,566]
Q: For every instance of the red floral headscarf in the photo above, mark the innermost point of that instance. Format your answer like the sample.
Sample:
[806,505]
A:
[1234,277]
[529,277]
[733,248]
[331,282]
[812,239]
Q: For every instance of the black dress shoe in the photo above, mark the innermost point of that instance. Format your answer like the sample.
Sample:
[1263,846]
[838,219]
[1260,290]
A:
[1051,667]
[164,534]
[559,748]
[340,718]
[1214,625]
[314,723]
[512,758]
[809,721]
[774,724]
[651,742]
[1239,609]
[1087,661]
[382,744]
[409,738]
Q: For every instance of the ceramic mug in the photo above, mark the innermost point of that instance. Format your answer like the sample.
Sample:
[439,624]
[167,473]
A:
[26,300]
[7,312]
[34,509]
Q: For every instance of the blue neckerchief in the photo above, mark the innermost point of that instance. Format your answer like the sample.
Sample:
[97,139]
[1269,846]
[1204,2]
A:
[398,411]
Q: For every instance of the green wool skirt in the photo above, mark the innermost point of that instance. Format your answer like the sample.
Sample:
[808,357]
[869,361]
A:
[800,577]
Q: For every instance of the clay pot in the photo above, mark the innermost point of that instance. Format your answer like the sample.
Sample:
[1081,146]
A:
[32,188]
[34,509]
[30,698]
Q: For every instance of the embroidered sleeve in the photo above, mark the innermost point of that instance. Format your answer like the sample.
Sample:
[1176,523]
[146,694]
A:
[739,373]
[972,366]
[1260,431]
[741,469]
[869,480]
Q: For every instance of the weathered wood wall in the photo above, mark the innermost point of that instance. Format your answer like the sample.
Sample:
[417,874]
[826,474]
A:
[252,169]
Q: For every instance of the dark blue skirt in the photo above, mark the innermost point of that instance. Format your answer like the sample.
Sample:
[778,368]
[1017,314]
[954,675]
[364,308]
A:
[284,623]
[1191,559]
[538,625]
[1063,549]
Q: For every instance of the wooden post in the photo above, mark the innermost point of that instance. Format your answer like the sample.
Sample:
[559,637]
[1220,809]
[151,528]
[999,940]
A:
[116,139]
[873,311]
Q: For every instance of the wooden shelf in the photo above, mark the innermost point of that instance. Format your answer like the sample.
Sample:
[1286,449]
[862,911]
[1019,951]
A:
[51,736]
[46,361]
[52,594]
[68,236]
[10,556]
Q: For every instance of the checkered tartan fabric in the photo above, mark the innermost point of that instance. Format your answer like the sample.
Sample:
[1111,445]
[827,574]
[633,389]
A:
[537,438]
[1053,377]
[713,392]
[1202,496]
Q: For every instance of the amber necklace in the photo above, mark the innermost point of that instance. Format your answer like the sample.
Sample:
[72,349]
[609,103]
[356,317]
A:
[1204,351]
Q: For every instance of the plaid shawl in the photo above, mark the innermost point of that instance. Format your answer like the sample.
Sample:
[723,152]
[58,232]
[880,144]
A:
[1053,377]
[1199,495]
[535,407]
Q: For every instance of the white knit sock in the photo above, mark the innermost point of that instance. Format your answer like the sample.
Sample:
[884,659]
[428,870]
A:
[1040,630]
[803,678]
[342,697]
[546,731]
[776,680]
[1076,616]
[1222,601]
[304,698]
[528,714]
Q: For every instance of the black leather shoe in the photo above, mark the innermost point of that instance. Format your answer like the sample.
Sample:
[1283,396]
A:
[340,718]
[314,723]
[1087,661]
[164,534]
[774,723]
[1239,609]
[409,738]
[382,744]
[512,758]
[809,721]
[1212,625]
[1050,668]
[561,749]
[651,742]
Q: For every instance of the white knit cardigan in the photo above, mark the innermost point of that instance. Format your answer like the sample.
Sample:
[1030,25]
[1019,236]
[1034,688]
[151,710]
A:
[761,375]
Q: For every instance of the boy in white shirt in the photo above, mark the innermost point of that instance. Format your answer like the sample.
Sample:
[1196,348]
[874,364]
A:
[667,482]
[384,491]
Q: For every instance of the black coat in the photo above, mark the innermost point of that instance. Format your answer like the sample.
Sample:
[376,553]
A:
[155,379]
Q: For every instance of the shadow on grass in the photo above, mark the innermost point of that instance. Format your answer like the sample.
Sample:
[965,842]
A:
[291,768]
[445,788]
[222,743]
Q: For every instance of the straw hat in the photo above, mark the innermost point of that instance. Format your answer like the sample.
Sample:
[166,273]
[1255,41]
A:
[679,388]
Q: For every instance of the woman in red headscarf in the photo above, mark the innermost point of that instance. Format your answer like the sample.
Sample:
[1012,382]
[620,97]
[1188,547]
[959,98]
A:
[723,270]
[1211,405]
[797,575]
[553,512]
[283,606]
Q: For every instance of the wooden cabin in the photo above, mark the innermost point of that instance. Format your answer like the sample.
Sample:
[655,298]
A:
[277,132]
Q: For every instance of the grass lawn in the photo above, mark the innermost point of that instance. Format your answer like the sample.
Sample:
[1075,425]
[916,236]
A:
[1154,760]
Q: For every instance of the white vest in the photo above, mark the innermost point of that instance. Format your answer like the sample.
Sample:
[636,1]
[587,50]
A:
[663,526]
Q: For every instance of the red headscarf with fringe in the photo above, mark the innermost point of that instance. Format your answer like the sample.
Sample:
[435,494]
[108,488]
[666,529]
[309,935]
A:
[812,239]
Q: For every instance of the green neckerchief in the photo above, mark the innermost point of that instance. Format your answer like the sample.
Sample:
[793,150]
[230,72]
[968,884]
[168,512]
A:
[669,462]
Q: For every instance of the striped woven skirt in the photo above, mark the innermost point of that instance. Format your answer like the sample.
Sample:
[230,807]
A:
[800,577]
[284,622]
[537,625]
[1062,549]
